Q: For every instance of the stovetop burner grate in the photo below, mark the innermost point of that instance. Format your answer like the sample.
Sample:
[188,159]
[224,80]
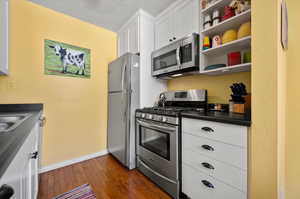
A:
[171,110]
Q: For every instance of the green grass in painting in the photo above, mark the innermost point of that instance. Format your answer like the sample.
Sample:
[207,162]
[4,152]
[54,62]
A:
[53,65]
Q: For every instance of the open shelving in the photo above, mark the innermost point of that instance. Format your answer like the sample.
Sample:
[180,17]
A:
[218,55]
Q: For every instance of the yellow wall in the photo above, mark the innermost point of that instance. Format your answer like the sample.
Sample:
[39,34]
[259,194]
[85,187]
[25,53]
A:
[281,109]
[76,109]
[267,138]
[218,86]
[293,106]
[263,156]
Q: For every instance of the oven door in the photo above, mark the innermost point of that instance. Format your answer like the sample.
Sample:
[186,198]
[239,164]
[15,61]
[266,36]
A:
[166,59]
[189,52]
[158,147]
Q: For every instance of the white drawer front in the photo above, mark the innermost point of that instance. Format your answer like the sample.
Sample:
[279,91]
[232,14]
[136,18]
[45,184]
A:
[232,155]
[221,171]
[227,133]
[193,186]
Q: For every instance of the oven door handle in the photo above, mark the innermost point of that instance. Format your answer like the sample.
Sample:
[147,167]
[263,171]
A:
[156,127]
[156,173]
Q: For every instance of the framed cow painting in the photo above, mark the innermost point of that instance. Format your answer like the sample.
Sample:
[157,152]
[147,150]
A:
[67,60]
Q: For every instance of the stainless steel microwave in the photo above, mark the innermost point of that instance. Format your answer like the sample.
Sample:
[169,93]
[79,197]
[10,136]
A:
[176,58]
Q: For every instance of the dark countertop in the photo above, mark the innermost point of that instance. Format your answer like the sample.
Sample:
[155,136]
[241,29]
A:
[230,118]
[10,142]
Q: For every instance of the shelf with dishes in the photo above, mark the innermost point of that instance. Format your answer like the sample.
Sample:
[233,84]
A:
[234,45]
[231,23]
[244,67]
[233,56]
[213,4]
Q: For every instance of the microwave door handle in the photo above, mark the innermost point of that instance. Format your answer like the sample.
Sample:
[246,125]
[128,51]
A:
[157,127]
[178,57]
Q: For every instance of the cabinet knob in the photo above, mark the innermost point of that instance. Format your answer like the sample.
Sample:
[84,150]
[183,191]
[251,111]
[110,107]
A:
[42,121]
[208,184]
[174,38]
[6,192]
[207,147]
[170,40]
[34,155]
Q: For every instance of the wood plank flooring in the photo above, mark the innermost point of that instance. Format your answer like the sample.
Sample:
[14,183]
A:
[108,178]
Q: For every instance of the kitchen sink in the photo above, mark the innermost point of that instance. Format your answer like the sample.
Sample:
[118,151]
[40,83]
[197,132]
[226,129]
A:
[10,122]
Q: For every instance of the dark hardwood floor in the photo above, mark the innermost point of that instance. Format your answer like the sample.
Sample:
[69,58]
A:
[108,178]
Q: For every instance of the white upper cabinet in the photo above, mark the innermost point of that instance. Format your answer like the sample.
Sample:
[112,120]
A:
[163,31]
[185,19]
[137,36]
[4,8]
[123,45]
[128,37]
[134,36]
[177,21]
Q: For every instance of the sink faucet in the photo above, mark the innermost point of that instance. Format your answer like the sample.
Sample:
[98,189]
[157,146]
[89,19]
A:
[162,99]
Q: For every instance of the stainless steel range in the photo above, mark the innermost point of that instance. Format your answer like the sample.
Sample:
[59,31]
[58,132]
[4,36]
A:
[158,132]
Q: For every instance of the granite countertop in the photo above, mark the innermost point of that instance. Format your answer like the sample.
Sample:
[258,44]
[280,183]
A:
[11,142]
[229,118]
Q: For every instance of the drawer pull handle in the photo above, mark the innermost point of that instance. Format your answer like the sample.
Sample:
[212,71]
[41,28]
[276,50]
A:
[207,147]
[207,129]
[208,184]
[207,165]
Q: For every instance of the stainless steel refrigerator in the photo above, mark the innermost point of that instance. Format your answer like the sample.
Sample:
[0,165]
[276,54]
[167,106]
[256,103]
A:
[123,99]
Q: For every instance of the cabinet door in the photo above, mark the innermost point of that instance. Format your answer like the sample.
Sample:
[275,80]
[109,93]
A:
[26,182]
[34,162]
[13,178]
[133,30]
[30,174]
[4,4]
[185,19]
[123,39]
[163,31]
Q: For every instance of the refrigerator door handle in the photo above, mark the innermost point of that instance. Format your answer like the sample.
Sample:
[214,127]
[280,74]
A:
[125,111]
[124,93]
[123,75]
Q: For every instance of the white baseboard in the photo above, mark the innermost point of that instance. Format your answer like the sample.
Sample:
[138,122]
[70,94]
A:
[73,161]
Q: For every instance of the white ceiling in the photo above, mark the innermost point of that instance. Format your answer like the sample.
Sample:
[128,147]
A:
[110,14]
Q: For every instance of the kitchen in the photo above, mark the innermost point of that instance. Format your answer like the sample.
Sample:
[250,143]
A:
[76,110]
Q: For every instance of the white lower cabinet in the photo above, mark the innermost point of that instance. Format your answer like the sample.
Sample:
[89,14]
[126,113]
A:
[212,167]
[197,185]
[22,173]
[217,169]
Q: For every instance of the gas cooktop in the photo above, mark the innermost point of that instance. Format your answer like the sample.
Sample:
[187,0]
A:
[169,111]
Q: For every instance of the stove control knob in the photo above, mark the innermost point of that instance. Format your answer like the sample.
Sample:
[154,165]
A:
[143,115]
[164,119]
[150,117]
[159,118]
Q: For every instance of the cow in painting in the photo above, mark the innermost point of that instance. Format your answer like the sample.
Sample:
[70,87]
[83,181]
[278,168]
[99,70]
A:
[70,57]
